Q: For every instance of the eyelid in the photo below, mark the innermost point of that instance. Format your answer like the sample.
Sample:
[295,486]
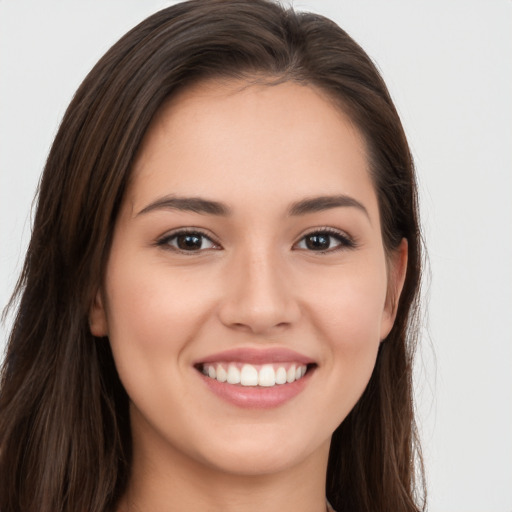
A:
[162,241]
[346,241]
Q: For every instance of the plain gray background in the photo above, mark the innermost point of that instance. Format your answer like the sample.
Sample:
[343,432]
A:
[448,64]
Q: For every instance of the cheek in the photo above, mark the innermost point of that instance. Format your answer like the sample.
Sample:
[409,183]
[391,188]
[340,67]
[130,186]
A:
[151,304]
[352,326]
[349,307]
[347,313]
[152,316]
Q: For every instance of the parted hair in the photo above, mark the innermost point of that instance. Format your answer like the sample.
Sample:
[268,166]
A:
[65,441]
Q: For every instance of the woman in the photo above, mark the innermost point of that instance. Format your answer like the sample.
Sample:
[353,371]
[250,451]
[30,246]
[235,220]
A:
[217,306]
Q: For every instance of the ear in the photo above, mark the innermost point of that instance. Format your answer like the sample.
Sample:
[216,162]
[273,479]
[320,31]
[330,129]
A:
[397,269]
[98,317]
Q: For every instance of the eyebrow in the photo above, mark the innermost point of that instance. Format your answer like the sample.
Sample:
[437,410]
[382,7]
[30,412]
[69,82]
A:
[321,203]
[209,207]
[190,204]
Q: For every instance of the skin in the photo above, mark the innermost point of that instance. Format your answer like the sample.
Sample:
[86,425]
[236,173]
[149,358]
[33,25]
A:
[257,149]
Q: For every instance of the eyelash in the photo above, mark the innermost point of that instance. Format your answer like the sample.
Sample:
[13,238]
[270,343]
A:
[344,241]
[164,242]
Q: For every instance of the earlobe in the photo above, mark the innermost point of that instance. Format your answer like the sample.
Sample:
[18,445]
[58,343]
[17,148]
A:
[396,278]
[97,317]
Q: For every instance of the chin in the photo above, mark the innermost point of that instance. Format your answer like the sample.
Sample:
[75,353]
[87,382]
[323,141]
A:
[265,451]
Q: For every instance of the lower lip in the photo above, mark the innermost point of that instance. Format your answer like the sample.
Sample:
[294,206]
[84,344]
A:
[257,397]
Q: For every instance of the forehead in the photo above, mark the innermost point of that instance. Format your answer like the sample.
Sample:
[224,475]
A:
[258,140]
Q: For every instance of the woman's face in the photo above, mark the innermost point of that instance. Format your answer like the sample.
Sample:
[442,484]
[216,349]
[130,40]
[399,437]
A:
[248,248]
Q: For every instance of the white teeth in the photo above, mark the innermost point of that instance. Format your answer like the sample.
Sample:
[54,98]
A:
[222,375]
[233,374]
[290,374]
[267,375]
[248,375]
[281,375]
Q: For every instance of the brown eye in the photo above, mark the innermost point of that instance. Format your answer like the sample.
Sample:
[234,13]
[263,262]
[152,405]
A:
[318,242]
[188,242]
[324,241]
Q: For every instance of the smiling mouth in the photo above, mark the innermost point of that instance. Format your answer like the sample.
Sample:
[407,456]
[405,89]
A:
[255,375]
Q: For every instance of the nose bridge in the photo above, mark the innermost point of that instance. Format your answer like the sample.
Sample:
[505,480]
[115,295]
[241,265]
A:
[259,297]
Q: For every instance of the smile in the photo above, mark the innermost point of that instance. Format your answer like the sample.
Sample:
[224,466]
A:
[263,375]
[256,378]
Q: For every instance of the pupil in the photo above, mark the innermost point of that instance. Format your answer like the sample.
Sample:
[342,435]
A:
[316,242]
[188,242]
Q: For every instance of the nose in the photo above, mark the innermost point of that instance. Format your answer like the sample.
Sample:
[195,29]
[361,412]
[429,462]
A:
[258,296]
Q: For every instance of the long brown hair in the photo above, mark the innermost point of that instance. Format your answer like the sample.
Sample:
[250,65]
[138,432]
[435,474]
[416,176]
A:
[65,443]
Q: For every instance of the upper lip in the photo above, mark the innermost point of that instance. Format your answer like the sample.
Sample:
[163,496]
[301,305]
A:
[257,356]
